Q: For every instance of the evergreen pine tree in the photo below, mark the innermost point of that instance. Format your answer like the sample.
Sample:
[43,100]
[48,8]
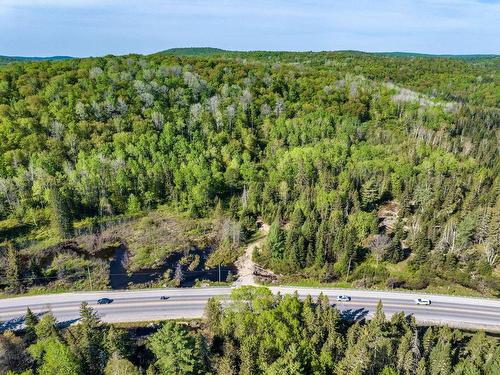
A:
[30,322]
[175,350]
[274,242]
[120,366]
[61,219]
[440,358]
[320,245]
[12,272]
[90,341]
[369,194]
[46,327]
[117,342]
[213,314]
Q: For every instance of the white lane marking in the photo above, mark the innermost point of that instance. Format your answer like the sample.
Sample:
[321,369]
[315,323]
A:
[123,305]
[110,306]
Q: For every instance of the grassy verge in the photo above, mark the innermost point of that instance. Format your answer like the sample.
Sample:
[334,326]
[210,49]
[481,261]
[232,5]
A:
[148,323]
[454,290]
[41,291]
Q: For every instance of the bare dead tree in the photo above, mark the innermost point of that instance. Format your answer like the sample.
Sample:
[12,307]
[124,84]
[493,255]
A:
[491,255]
[379,246]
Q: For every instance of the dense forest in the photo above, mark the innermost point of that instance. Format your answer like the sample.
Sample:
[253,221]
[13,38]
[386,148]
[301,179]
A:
[373,170]
[13,59]
[256,334]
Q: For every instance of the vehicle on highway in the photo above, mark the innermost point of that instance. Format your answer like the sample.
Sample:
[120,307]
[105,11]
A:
[343,298]
[164,297]
[423,301]
[104,301]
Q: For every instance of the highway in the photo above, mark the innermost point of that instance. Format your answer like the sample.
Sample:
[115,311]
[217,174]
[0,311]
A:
[146,305]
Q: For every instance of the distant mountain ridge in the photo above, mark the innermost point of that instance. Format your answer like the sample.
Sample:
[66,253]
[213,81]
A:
[445,56]
[10,59]
[193,51]
[208,51]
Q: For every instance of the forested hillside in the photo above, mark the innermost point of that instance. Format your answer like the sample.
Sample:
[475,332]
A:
[194,51]
[373,170]
[255,334]
[12,59]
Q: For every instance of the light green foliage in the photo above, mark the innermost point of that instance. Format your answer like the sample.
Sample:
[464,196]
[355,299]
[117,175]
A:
[289,363]
[213,314]
[286,336]
[334,136]
[46,327]
[120,366]
[175,350]
[275,239]
[256,333]
[133,204]
[250,294]
[54,357]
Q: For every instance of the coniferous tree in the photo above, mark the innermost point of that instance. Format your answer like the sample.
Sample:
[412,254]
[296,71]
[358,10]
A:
[30,322]
[46,327]
[290,363]
[275,239]
[89,341]
[117,341]
[369,194]
[61,218]
[13,274]
[118,365]
[175,350]
[213,314]
[440,357]
[321,244]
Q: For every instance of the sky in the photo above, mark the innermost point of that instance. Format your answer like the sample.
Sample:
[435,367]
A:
[100,27]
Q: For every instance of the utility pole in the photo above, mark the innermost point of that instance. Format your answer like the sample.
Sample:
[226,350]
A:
[90,278]
[219,272]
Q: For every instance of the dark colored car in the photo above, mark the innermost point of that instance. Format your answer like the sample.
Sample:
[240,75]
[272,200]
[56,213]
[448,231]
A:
[164,297]
[104,301]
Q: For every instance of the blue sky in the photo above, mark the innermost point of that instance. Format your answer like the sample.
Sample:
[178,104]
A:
[99,27]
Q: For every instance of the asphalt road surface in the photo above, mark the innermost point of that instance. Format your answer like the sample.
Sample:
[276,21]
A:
[146,305]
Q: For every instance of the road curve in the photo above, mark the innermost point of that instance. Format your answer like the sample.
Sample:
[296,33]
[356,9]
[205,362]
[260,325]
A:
[145,305]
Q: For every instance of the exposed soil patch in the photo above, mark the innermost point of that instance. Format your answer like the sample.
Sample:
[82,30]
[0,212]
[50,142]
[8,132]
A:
[388,216]
[248,271]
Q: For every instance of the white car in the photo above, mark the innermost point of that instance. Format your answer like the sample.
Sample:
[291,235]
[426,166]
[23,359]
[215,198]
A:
[343,298]
[423,301]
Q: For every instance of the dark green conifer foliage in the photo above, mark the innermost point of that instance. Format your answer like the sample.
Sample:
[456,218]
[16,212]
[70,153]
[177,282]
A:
[90,341]
[30,321]
[275,239]
[12,272]
[61,218]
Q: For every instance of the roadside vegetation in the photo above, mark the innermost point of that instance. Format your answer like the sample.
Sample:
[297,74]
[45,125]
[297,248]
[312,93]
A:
[256,333]
[374,171]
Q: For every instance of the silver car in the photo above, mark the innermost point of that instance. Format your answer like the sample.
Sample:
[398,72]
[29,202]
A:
[343,298]
[423,301]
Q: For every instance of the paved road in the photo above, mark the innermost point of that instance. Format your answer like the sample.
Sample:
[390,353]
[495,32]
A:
[145,305]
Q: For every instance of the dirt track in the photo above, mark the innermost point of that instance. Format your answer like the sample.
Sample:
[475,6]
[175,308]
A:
[245,264]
